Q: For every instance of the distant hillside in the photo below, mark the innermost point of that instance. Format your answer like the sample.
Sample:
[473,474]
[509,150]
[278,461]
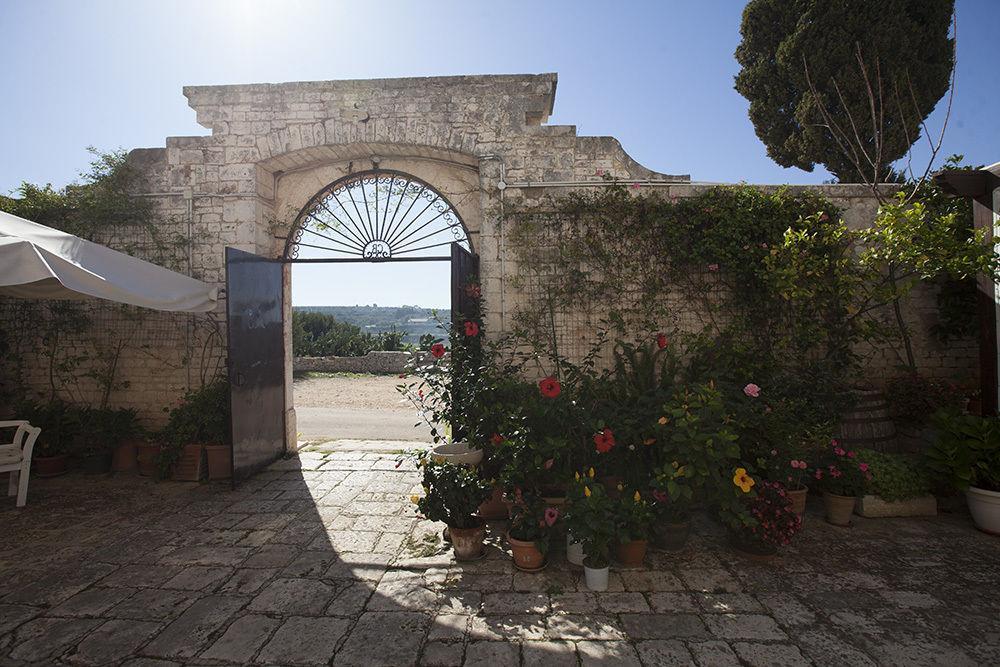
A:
[412,320]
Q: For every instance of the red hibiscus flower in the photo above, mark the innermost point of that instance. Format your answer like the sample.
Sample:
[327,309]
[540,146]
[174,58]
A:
[472,290]
[496,438]
[661,341]
[549,387]
[437,350]
[471,329]
[604,441]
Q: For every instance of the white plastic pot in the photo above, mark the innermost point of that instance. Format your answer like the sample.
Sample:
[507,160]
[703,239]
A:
[574,550]
[985,509]
[457,452]
[596,577]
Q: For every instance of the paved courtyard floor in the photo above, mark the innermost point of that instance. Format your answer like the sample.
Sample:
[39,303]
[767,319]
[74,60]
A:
[321,560]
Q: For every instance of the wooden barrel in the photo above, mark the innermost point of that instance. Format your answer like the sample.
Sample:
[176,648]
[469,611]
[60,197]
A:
[869,425]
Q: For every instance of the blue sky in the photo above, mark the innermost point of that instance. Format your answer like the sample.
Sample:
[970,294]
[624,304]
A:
[657,75]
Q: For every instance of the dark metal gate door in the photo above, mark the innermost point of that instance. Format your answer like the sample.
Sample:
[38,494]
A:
[464,284]
[254,296]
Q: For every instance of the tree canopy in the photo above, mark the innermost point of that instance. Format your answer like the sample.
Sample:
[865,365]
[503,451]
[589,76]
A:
[877,68]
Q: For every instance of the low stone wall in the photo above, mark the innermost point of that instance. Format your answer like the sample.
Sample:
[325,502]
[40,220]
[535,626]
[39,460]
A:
[373,362]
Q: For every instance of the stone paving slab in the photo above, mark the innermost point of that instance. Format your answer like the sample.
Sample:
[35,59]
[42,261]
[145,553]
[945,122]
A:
[321,560]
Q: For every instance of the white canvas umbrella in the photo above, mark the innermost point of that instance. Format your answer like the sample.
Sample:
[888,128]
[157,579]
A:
[38,262]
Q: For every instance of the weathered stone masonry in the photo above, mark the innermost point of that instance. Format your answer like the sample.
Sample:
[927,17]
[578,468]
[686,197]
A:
[273,146]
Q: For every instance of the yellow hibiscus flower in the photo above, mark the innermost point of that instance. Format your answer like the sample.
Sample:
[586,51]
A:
[743,480]
[586,491]
[414,499]
[591,473]
[662,421]
[636,497]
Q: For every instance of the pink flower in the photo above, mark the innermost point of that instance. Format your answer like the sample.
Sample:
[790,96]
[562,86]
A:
[635,186]
[713,267]
[660,496]
[863,467]
[839,451]
[850,455]
[819,474]
[548,464]
[599,172]
[551,516]
[751,390]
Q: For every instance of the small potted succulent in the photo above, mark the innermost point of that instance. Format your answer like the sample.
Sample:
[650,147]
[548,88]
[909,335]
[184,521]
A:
[452,494]
[772,522]
[634,518]
[966,457]
[842,477]
[531,522]
[591,520]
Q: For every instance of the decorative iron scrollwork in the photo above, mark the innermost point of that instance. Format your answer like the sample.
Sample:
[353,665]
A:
[377,216]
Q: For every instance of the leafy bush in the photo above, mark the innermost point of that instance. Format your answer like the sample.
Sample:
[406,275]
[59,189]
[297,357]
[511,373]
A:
[591,518]
[61,424]
[842,472]
[914,398]
[775,522]
[452,493]
[967,451]
[633,517]
[322,335]
[895,476]
[106,428]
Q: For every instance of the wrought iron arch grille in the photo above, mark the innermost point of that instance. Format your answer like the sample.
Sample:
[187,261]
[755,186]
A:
[375,216]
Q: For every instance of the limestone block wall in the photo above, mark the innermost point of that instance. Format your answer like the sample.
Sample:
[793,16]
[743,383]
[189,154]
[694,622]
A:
[382,363]
[480,140]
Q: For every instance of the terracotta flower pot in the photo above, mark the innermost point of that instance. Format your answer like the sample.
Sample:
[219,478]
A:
[189,467]
[839,508]
[50,466]
[753,549]
[632,553]
[671,536]
[468,542]
[798,498]
[125,457]
[145,458]
[96,464]
[494,507]
[526,555]
[220,461]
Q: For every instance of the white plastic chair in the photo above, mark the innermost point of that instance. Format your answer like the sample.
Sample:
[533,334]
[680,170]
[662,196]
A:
[15,457]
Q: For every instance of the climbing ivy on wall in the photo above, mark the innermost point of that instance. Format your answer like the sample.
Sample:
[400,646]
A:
[80,344]
[769,270]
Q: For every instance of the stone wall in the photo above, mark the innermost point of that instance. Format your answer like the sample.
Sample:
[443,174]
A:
[479,140]
[382,363]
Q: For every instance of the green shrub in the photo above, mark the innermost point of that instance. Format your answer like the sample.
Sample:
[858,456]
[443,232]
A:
[203,417]
[453,493]
[967,451]
[895,476]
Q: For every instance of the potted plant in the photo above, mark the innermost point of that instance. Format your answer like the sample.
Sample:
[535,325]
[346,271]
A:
[531,522]
[966,457]
[452,494]
[672,496]
[899,486]
[60,424]
[105,430]
[202,418]
[129,435]
[842,477]
[591,519]
[633,519]
[772,522]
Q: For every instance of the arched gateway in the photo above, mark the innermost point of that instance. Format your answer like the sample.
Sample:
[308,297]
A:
[379,215]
